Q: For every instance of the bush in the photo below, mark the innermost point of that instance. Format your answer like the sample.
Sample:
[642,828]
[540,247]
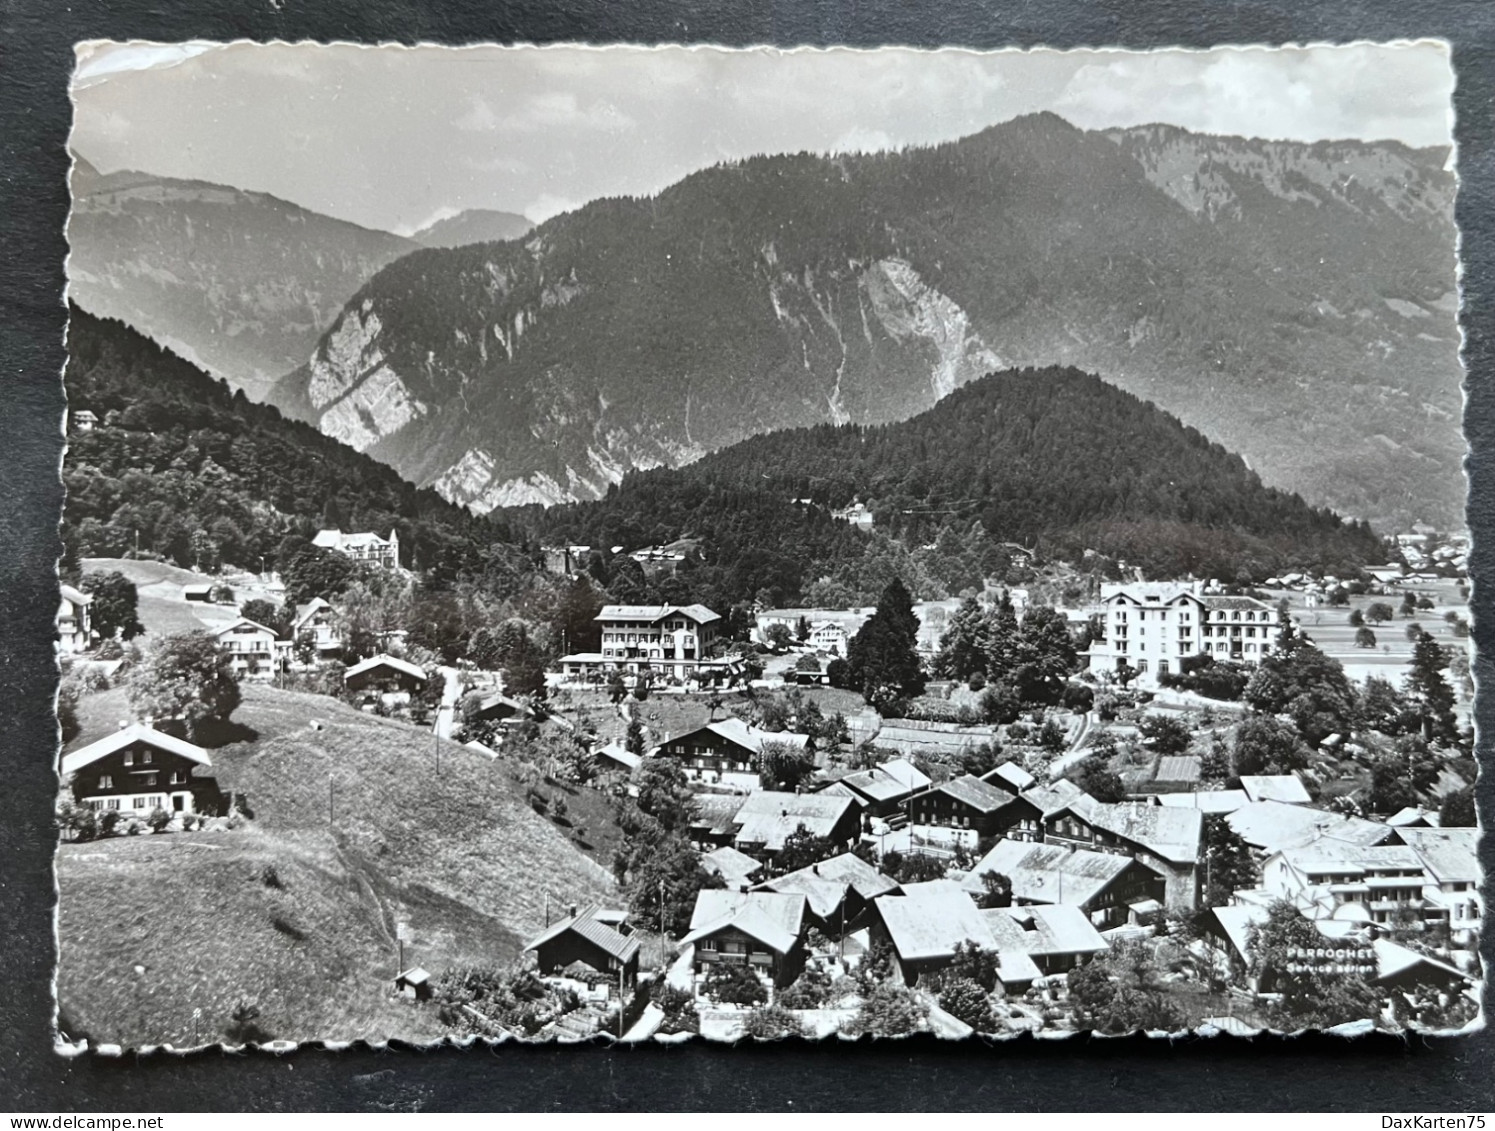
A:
[133,827]
[772,1022]
[964,998]
[888,1011]
[109,821]
[158,819]
[734,984]
[678,1007]
[809,991]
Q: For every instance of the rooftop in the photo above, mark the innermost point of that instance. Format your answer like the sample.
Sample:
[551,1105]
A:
[1206,801]
[932,920]
[773,918]
[1048,929]
[698,613]
[825,884]
[1274,825]
[1048,873]
[1449,855]
[1172,833]
[768,817]
[972,791]
[137,732]
[1287,788]
[588,925]
[386,661]
[729,864]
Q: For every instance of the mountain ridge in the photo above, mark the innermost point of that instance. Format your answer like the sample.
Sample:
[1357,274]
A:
[1304,319]
[1056,460]
[240,282]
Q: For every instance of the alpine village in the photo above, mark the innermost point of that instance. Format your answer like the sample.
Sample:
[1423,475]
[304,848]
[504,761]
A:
[609,632]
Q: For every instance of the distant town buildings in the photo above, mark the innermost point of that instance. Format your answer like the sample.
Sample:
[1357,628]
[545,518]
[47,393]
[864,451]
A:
[363,547]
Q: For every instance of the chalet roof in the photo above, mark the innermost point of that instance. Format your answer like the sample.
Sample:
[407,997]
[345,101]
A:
[1054,797]
[1049,873]
[1011,775]
[1274,825]
[1231,603]
[768,817]
[1236,920]
[715,811]
[336,539]
[307,609]
[887,781]
[825,884]
[729,864]
[698,613]
[586,924]
[979,795]
[76,596]
[240,623]
[739,733]
[130,735]
[773,918]
[1449,855]
[384,660]
[932,919]
[1325,856]
[415,976]
[1206,801]
[1413,816]
[1047,929]
[1150,593]
[619,753]
[1393,959]
[1172,833]
[1287,788]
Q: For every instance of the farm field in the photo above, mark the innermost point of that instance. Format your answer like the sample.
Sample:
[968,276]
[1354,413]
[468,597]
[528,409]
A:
[1331,630]
[353,831]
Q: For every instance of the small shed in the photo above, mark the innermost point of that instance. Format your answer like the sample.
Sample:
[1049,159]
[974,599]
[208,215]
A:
[414,984]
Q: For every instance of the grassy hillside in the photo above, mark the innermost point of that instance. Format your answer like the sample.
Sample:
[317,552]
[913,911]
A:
[460,857]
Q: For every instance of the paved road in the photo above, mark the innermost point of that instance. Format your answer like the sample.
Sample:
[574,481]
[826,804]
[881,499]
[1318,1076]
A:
[446,714]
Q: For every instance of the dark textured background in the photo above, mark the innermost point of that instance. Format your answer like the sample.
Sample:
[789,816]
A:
[1310,1073]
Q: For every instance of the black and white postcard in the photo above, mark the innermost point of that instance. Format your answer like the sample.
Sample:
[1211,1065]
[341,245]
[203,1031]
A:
[582,543]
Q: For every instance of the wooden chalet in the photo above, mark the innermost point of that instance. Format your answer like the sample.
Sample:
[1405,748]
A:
[386,674]
[137,769]
[967,810]
[762,930]
[596,937]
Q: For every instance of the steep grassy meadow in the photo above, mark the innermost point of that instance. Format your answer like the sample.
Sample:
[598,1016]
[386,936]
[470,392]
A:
[298,914]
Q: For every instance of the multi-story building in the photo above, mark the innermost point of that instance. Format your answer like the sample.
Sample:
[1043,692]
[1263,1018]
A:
[316,622]
[1153,627]
[251,646]
[363,547]
[1382,879]
[672,641]
[74,627]
[726,752]
[137,769]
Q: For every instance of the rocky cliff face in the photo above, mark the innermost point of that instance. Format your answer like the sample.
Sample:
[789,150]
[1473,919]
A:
[1293,302]
[240,283]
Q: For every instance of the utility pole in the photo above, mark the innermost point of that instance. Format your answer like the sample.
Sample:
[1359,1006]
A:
[661,910]
[329,798]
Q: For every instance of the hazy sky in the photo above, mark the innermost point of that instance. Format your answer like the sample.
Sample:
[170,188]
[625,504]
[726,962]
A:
[395,137]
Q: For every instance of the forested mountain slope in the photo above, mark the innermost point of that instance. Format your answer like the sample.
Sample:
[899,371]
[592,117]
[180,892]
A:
[241,283]
[1295,302]
[1054,461]
[182,466]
